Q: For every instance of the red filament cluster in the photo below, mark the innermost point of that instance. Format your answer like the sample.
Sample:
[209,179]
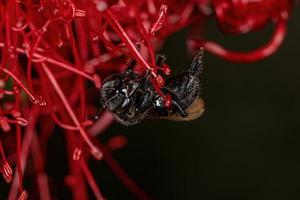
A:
[54,55]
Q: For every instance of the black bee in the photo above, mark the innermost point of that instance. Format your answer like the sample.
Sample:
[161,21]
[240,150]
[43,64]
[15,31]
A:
[132,98]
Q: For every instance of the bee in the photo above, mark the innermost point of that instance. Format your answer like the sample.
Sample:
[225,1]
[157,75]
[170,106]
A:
[132,98]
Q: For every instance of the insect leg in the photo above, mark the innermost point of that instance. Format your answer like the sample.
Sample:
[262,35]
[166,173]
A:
[181,111]
[131,64]
[135,87]
[115,106]
[173,94]
[197,65]
[160,59]
[112,98]
[147,99]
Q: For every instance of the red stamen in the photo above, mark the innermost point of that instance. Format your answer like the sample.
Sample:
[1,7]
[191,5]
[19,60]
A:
[113,21]
[91,181]
[93,149]
[7,172]
[116,142]
[35,99]
[23,195]
[77,154]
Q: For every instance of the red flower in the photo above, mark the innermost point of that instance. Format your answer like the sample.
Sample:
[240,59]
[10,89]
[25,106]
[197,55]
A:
[242,16]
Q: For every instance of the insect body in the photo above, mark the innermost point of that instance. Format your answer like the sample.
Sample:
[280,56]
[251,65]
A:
[132,98]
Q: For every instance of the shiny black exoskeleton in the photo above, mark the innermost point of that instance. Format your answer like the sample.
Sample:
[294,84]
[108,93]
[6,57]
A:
[132,98]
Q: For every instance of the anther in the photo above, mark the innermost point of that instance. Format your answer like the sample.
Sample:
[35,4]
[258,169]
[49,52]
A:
[7,172]
[23,195]
[96,153]
[21,121]
[80,13]
[38,100]
[77,154]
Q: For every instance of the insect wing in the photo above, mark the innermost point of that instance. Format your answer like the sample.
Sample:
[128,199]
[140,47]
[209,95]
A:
[195,110]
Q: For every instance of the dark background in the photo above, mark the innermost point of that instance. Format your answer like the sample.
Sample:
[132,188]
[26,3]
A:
[245,147]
